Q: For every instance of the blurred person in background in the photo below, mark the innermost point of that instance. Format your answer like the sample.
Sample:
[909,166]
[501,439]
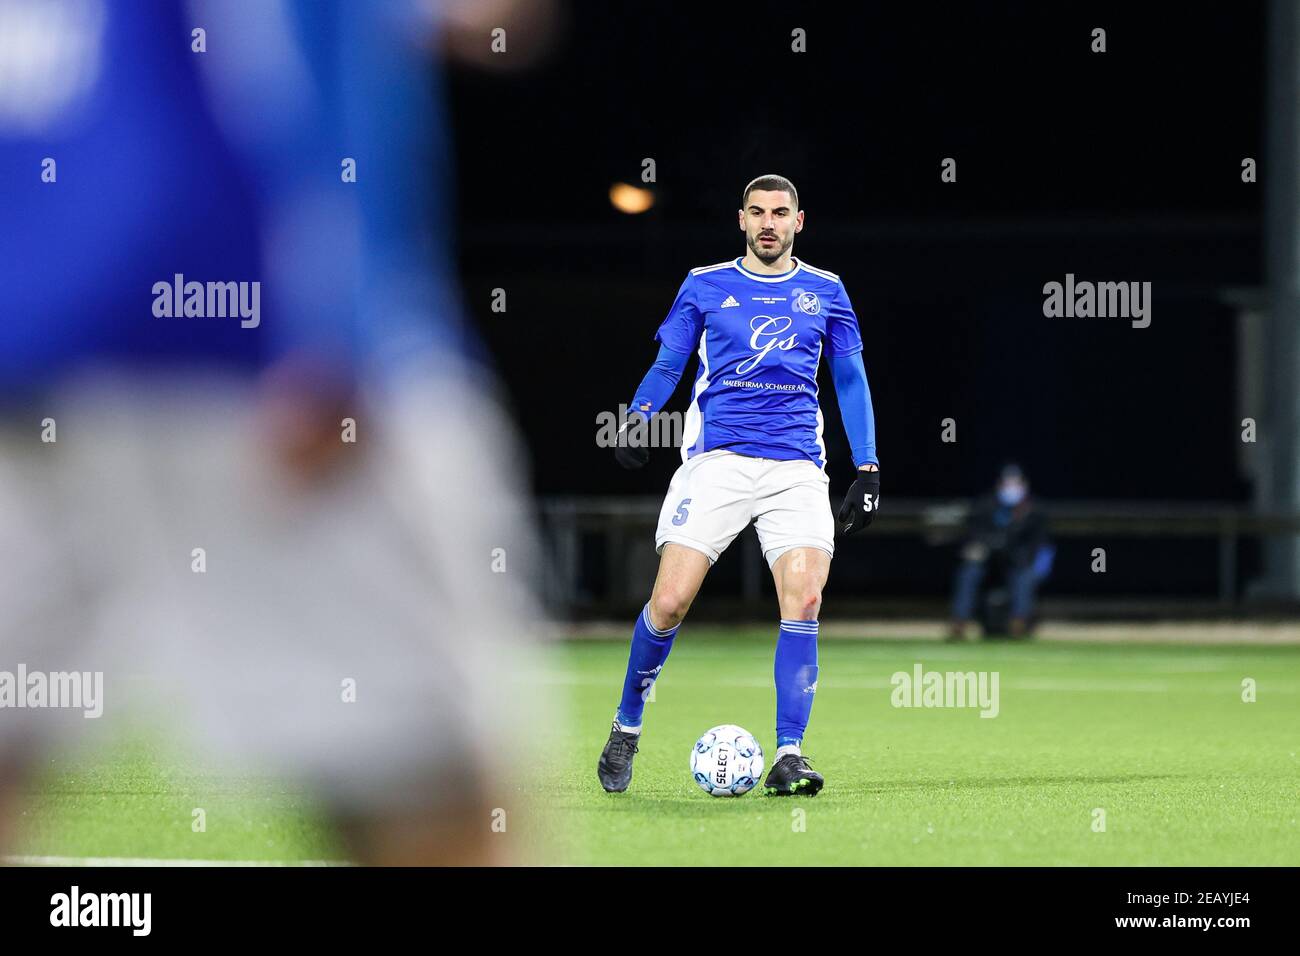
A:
[285,523]
[1008,531]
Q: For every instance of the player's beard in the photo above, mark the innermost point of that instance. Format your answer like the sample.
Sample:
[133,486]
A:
[769,255]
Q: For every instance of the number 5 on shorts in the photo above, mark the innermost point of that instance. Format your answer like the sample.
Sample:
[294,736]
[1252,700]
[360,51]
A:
[682,514]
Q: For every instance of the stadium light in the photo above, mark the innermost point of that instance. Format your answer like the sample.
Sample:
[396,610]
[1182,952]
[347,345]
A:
[630,199]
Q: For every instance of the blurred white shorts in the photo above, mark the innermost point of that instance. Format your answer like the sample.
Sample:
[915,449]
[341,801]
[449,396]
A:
[367,635]
[715,495]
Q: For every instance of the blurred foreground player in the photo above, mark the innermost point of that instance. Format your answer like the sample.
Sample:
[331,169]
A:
[752,452]
[278,534]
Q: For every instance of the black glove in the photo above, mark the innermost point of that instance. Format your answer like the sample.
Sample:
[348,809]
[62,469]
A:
[861,503]
[632,450]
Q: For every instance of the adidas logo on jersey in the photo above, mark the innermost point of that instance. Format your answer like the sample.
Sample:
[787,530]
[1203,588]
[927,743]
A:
[730,303]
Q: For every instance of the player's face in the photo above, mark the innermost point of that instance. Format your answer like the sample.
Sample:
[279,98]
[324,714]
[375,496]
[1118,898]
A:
[770,222]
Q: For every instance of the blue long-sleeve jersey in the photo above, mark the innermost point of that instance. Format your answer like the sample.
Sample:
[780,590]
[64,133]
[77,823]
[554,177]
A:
[760,340]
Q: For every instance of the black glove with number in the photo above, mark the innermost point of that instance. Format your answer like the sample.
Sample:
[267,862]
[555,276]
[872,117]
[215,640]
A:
[861,503]
[632,450]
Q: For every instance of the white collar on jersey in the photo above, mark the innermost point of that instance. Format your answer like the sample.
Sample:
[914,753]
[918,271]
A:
[773,278]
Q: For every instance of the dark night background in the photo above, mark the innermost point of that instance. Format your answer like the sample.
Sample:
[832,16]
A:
[1123,165]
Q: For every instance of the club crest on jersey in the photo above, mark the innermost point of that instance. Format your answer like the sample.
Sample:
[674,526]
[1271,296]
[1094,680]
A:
[807,302]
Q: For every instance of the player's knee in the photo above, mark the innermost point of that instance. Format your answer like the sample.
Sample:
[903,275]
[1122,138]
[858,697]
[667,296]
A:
[668,607]
[804,603]
[810,603]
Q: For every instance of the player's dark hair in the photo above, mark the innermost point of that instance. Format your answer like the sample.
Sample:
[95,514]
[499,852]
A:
[771,182]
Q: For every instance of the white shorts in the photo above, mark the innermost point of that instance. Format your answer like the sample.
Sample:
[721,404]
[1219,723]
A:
[382,581]
[715,495]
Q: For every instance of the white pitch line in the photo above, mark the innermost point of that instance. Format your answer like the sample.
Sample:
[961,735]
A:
[145,861]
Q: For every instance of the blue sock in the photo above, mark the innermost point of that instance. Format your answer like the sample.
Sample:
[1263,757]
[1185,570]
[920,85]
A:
[650,647]
[796,679]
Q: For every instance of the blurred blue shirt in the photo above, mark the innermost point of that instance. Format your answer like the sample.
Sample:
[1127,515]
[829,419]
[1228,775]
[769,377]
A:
[223,166]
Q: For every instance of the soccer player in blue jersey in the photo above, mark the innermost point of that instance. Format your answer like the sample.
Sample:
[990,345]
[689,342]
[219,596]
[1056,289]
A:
[752,451]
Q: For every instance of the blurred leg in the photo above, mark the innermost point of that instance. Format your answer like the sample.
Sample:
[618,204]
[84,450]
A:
[14,771]
[965,590]
[456,830]
[1022,585]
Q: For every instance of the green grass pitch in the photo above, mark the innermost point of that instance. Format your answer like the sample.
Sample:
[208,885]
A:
[1156,736]
[136,799]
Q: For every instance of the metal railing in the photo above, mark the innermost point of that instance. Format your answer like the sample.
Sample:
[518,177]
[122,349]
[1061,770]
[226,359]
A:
[622,529]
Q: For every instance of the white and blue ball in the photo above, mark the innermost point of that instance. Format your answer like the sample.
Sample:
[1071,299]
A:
[727,761]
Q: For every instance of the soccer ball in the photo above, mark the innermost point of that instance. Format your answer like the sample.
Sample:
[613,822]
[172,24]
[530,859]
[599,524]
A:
[727,761]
